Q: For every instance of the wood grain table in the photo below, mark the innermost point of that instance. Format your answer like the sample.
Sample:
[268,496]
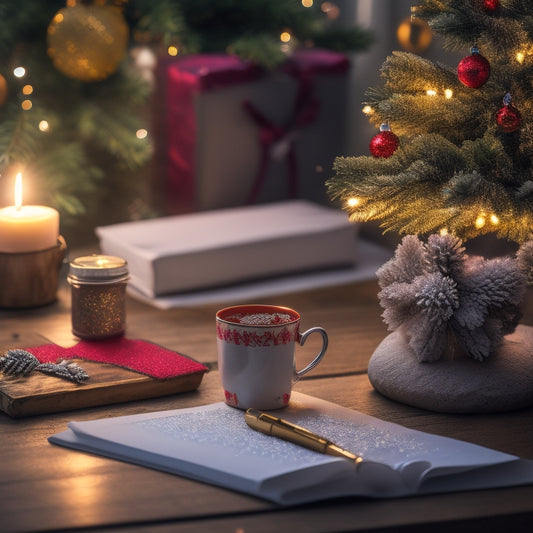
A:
[50,488]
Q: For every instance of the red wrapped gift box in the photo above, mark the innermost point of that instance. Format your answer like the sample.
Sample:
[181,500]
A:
[237,135]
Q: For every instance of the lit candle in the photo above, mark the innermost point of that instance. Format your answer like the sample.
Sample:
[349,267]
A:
[27,228]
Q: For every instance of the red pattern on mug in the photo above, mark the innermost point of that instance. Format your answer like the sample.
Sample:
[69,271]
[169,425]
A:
[231,398]
[242,336]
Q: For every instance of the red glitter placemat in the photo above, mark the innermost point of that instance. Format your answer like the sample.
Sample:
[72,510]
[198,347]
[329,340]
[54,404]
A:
[137,355]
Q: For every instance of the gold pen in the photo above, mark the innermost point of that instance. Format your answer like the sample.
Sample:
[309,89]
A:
[277,427]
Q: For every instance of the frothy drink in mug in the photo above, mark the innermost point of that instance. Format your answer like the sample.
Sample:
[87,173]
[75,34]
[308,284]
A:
[261,319]
[256,354]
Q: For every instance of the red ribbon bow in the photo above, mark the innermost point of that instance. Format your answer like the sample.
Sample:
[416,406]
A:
[277,142]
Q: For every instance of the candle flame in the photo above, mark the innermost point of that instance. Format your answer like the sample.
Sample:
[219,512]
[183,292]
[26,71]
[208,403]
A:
[18,191]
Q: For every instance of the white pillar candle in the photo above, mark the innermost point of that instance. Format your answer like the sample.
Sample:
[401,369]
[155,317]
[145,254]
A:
[27,228]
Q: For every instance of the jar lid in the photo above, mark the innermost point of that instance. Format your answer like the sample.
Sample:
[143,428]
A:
[98,269]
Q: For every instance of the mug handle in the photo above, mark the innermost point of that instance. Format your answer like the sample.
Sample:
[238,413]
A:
[302,337]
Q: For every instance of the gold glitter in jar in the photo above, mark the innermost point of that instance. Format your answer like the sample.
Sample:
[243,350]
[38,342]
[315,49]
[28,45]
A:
[98,286]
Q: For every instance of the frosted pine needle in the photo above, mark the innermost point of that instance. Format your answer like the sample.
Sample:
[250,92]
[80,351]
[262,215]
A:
[19,362]
[432,289]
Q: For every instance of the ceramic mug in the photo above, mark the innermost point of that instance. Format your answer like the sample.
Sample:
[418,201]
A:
[255,346]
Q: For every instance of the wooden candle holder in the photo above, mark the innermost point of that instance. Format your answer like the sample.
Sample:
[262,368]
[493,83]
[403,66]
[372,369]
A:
[30,279]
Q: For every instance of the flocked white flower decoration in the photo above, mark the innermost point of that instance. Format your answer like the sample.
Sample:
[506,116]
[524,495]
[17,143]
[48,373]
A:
[434,289]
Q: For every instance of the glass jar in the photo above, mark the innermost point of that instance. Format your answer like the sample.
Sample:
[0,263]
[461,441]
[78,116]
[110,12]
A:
[98,288]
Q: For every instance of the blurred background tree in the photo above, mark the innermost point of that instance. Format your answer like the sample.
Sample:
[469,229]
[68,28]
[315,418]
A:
[74,113]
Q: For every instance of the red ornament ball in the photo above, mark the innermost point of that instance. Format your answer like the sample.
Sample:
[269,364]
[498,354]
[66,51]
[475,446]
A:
[384,143]
[491,5]
[473,70]
[508,118]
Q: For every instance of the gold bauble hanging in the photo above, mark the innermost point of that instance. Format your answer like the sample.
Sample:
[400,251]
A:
[87,42]
[414,35]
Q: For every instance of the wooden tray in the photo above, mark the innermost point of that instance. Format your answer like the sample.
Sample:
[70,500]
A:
[39,393]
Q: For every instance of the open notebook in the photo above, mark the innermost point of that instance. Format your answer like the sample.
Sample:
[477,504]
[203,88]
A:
[213,444]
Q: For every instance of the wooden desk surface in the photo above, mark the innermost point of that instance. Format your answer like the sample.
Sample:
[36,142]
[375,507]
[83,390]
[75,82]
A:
[45,487]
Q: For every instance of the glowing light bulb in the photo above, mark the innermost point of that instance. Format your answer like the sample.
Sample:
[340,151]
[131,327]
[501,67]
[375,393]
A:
[494,219]
[480,222]
[353,202]
[448,93]
[285,37]
[172,51]
[520,56]
[367,110]
[19,72]
[431,92]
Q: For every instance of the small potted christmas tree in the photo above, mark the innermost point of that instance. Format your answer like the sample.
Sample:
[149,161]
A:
[452,161]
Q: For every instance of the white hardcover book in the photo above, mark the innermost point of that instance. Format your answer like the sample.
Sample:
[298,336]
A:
[209,249]
[213,444]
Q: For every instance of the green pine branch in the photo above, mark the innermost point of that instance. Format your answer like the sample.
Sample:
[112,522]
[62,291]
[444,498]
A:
[430,184]
[456,170]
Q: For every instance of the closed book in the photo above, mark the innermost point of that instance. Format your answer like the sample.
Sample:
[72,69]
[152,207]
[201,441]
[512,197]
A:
[211,249]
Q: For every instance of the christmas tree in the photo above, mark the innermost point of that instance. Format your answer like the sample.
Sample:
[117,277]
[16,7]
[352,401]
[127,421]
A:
[455,151]
[74,114]
[452,160]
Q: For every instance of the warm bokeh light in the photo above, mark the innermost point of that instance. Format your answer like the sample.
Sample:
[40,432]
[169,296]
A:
[431,92]
[520,56]
[367,110]
[172,51]
[26,105]
[141,134]
[19,72]
[448,93]
[307,3]
[494,219]
[480,221]
[331,10]
[285,37]
[44,126]
[353,202]
[443,232]
[27,89]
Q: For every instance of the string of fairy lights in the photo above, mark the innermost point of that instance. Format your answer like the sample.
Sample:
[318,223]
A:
[483,217]
[26,103]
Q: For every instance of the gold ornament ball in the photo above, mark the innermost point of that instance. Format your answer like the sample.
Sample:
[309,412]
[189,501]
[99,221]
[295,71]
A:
[87,42]
[414,35]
